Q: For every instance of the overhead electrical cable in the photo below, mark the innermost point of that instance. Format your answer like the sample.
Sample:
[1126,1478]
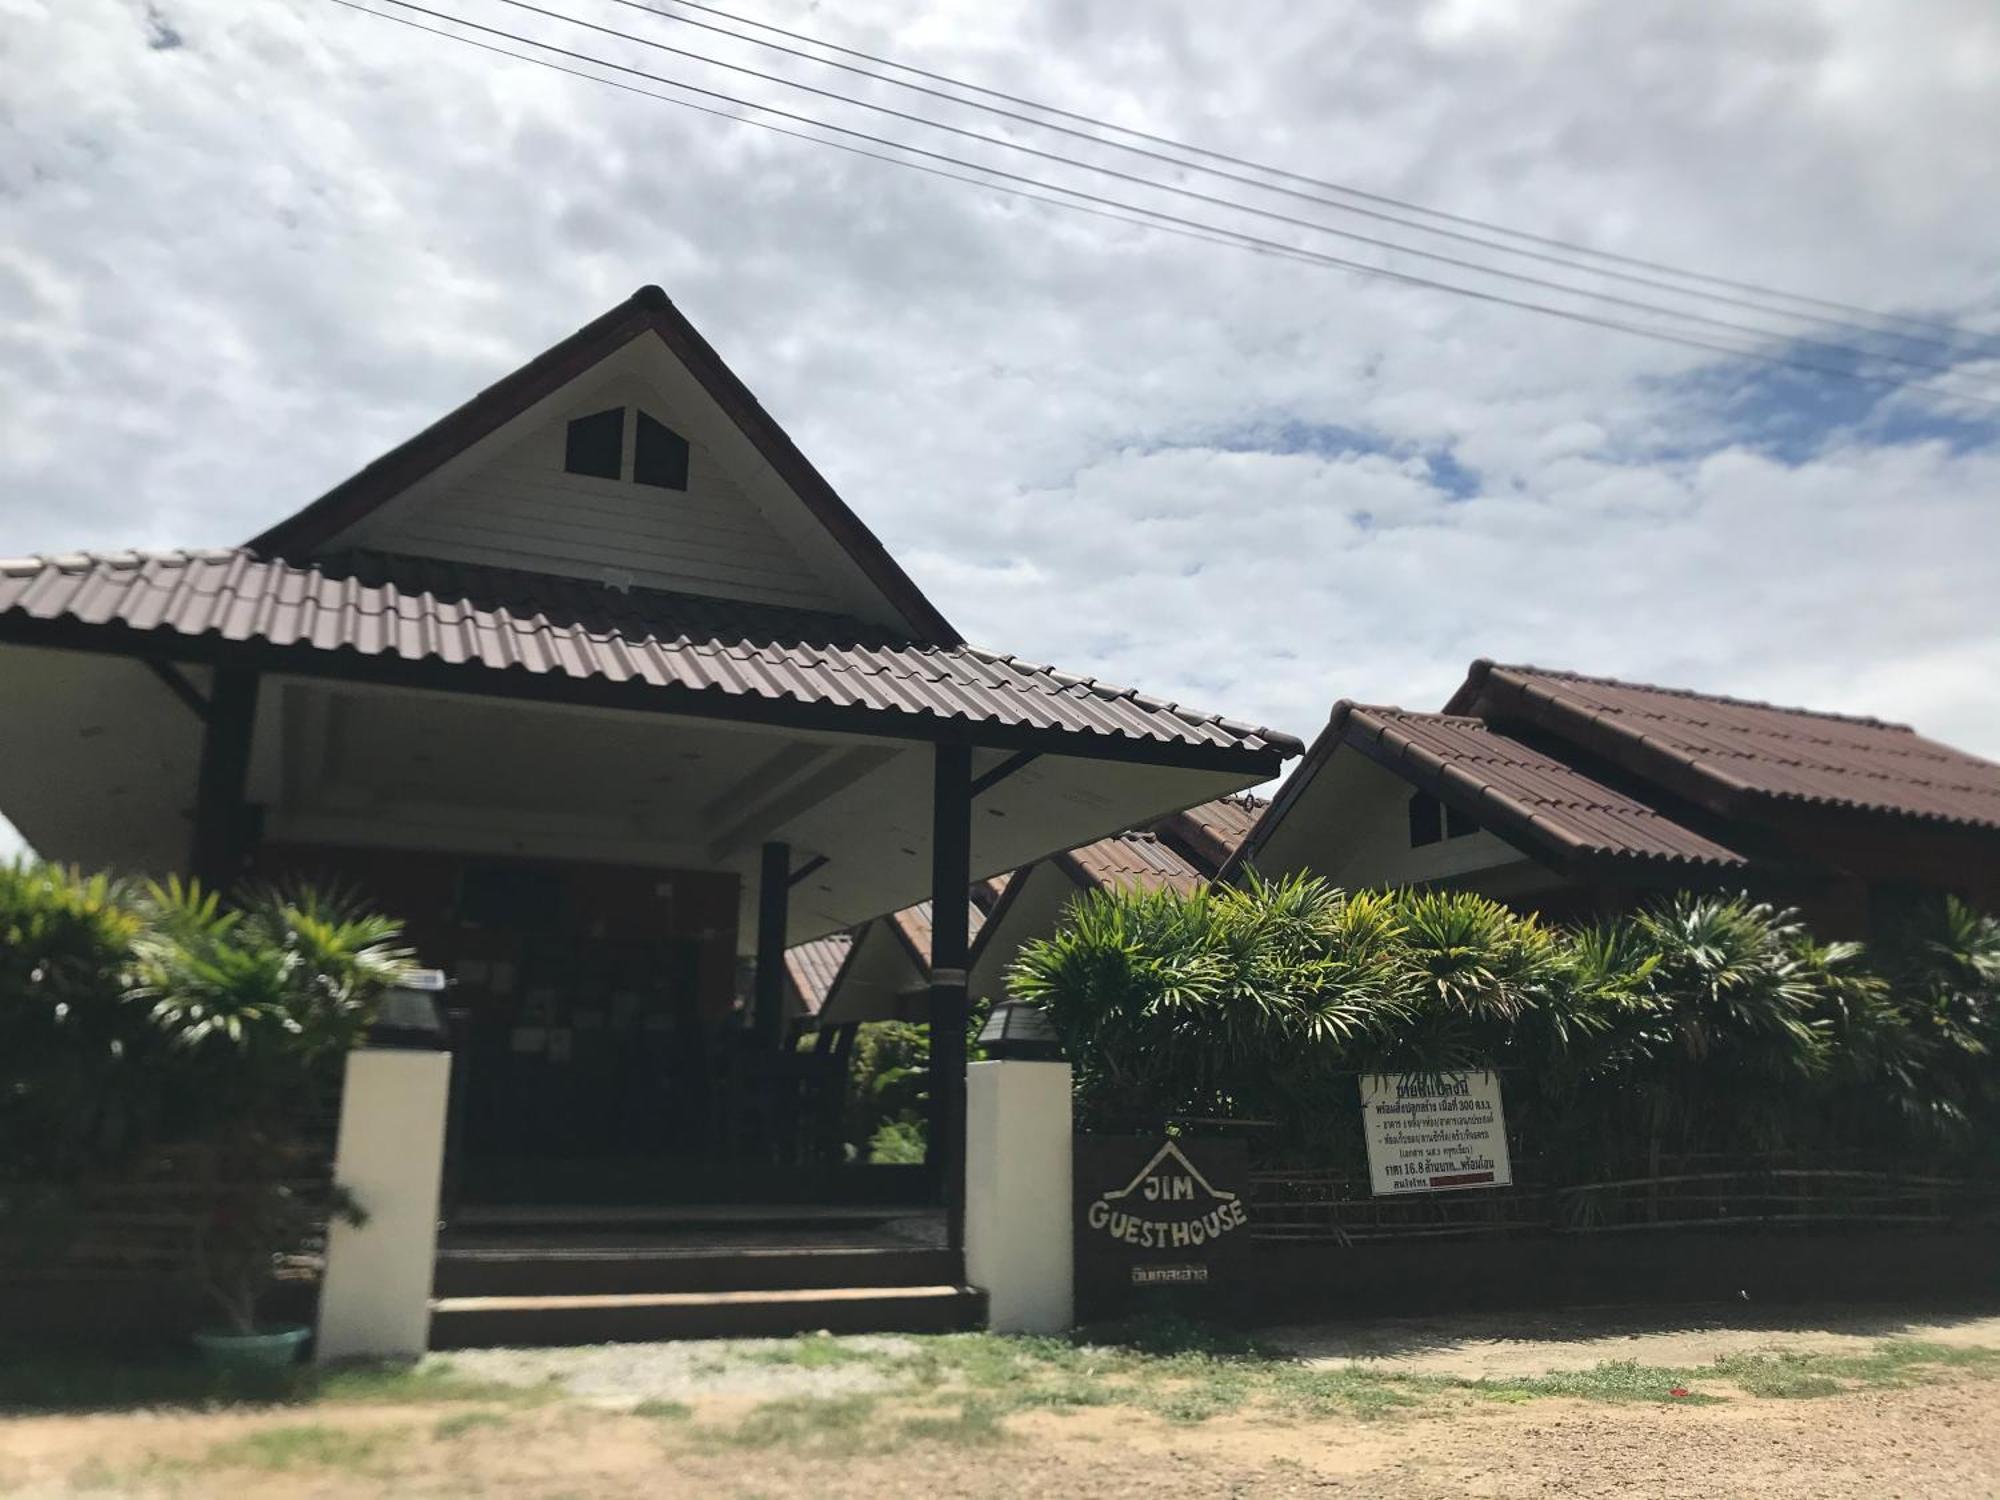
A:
[1319,196]
[1953,338]
[797,135]
[1151,217]
[1214,201]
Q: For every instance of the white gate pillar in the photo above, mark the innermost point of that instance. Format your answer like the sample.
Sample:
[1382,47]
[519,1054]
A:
[375,1299]
[1019,1242]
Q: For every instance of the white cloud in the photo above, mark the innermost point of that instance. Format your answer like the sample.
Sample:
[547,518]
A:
[239,268]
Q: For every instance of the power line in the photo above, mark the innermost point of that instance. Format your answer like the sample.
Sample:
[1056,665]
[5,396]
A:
[1212,200]
[797,135]
[1096,123]
[1316,197]
[1151,217]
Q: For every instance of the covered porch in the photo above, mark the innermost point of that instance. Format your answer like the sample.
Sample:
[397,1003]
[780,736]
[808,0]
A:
[609,870]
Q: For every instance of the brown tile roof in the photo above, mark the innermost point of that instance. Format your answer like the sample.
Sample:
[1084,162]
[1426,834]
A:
[1726,753]
[1138,861]
[914,922]
[1210,832]
[440,614]
[1518,792]
[813,967]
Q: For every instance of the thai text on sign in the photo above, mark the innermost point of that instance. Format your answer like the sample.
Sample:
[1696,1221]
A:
[1431,1133]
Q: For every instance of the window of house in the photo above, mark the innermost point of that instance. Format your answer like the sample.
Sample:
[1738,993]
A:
[1426,820]
[1432,822]
[659,455]
[596,445]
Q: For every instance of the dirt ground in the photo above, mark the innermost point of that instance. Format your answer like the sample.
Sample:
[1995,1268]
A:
[1934,1437]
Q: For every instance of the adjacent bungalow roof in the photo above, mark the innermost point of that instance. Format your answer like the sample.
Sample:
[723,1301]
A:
[1728,755]
[1523,794]
[913,923]
[825,974]
[1181,852]
[813,967]
[1131,860]
[738,659]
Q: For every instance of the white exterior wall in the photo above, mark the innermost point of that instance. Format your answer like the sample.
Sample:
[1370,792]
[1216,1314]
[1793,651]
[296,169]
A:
[521,509]
[1030,912]
[1019,1244]
[1352,826]
[375,1300]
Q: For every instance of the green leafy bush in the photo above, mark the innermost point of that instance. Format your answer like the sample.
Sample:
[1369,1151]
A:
[160,1024]
[1702,1023]
[76,1044]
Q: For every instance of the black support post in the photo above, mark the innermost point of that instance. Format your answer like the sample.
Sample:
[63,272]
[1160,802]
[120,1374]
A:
[222,819]
[774,891]
[951,879]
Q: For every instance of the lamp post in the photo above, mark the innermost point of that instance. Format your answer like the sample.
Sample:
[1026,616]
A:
[1020,1031]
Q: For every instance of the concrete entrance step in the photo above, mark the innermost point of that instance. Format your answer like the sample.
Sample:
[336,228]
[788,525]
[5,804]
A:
[486,1322]
[609,1270]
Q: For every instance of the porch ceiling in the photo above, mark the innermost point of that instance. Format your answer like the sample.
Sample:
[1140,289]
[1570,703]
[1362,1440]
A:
[101,771]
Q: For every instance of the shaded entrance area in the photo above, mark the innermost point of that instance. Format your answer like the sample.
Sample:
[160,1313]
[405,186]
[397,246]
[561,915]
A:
[609,738]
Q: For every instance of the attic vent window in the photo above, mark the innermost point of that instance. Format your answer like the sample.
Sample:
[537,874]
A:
[596,445]
[1426,820]
[660,455]
[1431,822]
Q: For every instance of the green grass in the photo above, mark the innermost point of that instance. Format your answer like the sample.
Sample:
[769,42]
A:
[1611,1380]
[665,1411]
[1186,1375]
[281,1449]
[459,1423]
[84,1383]
[813,1352]
[1346,1391]
[976,1423]
[835,1426]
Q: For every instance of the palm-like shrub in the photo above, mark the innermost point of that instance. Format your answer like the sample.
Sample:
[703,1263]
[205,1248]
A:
[259,1003]
[160,1027]
[75,1045]
[1213,1003]
[1701,1024]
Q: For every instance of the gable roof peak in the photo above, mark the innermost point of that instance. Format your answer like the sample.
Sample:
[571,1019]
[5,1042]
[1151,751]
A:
[648,311]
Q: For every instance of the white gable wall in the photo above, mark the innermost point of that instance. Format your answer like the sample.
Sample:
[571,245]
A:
[1031,912]
[737,531]
[1351,825]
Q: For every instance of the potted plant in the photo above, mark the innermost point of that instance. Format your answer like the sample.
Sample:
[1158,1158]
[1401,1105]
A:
[262,1003]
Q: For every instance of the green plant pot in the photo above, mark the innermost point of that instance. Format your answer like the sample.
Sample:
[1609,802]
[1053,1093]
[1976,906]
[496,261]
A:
[276,1350]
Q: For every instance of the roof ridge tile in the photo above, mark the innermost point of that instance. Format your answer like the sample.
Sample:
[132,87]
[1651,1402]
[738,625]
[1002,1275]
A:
[1563,674]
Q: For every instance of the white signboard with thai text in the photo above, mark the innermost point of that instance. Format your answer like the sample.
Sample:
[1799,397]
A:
[1432,1133]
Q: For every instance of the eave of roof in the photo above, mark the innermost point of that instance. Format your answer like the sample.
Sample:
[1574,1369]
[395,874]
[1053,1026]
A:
[648,310]
[415,622]
[1736,756]
[1553,811]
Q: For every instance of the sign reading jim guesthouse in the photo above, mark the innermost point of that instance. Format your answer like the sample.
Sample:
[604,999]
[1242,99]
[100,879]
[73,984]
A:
[1158,1213]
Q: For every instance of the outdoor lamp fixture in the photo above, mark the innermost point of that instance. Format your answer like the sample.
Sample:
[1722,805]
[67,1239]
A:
[409,1016]
[1017,1031]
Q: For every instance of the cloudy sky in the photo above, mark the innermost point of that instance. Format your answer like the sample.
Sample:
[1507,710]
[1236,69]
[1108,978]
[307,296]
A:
[248,246]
